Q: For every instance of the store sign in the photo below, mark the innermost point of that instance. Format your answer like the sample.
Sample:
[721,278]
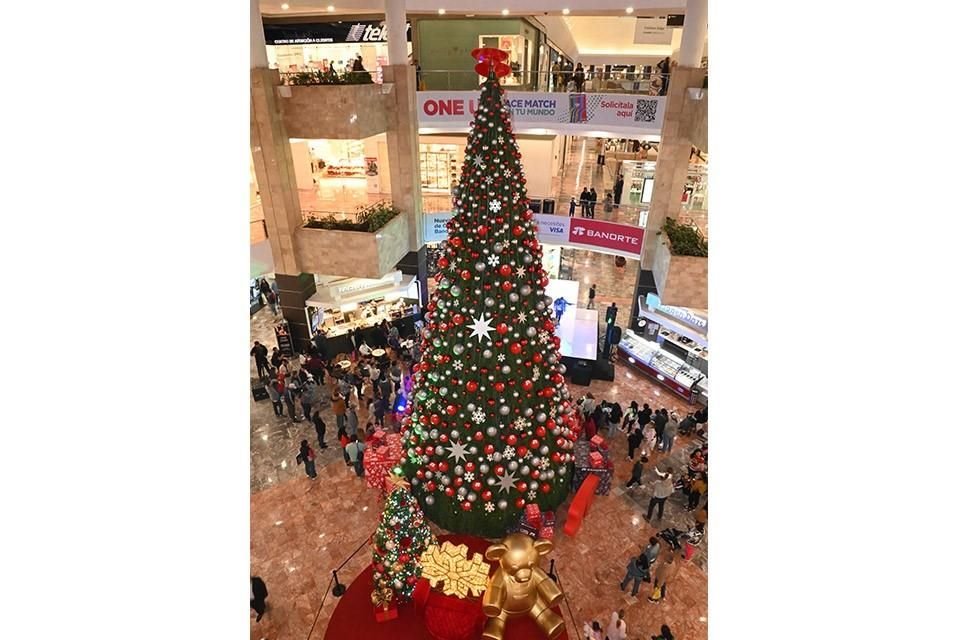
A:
[548,110]
[680,313]
[327,33]
[623,239]
[350,286]
[583,233]
[552,229]
[652,31]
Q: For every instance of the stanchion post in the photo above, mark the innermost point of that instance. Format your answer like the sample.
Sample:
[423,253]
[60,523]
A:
[338,587]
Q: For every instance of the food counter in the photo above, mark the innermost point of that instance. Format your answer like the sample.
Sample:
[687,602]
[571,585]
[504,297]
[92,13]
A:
[366,319]
[656,362]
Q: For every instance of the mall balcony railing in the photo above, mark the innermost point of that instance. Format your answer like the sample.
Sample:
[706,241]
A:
[613,82]
[317,77]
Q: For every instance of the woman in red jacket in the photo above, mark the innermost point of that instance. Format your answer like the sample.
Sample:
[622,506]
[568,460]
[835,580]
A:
[307,457]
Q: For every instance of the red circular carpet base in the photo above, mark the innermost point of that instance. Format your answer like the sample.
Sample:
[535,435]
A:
[353,617]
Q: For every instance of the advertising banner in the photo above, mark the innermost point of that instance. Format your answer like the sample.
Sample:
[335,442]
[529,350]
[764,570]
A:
[622,239]
[338,32]
[547,110]
[581,233]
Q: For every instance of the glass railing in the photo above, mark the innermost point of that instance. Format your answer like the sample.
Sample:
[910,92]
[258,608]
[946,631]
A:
[461,80]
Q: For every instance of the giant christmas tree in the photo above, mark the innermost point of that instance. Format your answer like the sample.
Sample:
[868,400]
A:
[489,431]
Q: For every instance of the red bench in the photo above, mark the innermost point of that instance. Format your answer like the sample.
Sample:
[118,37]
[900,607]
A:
[581,503]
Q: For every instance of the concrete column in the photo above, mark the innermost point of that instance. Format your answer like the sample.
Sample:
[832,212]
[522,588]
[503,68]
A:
[694,34]
[294,292]
[258,47]
[403,146]
[672,161]
[273,165]
[396,14]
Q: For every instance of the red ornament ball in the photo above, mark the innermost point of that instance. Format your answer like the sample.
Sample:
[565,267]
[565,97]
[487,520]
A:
[465,274]
[502,328]
[518,231]
[516,348]
[505,270]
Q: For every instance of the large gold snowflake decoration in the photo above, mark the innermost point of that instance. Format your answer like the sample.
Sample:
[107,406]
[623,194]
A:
[448,564]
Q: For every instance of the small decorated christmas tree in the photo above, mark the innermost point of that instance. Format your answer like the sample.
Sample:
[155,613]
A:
[490,430]
[401,538]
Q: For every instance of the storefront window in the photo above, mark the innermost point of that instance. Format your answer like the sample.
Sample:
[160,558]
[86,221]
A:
[439,167]
[519,49]
[338,158]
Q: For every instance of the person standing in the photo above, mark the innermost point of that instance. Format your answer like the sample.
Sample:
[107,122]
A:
[573,207]
[697,488]
[618,190]
[670,433]
[662,489]
[593,202]
[617,629]
[660,423]
[663,68]
[306,457]
[258,596]
[591,296]
[272,301]
[259,353]
[274,390]
[584,203]
[339,406]
[395,376]
[276,358]
[355,453]
[649,444]
[630,417]
[637,570]
[579,77]
[652,551]
[309,396]
[352,421]
[592,631]
[290,398]
[664,573]
[321,428]
[664,634]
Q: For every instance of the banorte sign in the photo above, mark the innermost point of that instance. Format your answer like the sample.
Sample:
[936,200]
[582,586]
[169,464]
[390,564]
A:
[619,238]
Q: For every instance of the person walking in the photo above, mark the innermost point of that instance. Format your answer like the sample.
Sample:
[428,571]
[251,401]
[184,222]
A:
[697,488]
[579,77]
[355,454]
[636,474]
[593,202]
[258,596]
[662,489]
[634,437]
[339,406]
[638,569]
[617,629]
[670,432]
[264,287]
[584,203]
[306,457]
[591,297]
[618,190]
[321,428]
[259,353]
[274,390]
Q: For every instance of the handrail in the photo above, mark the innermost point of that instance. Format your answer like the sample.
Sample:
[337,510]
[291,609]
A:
[597,82]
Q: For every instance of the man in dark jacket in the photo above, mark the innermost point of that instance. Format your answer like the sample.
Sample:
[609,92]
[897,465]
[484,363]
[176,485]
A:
[584,203]
[618,190]
[260,353]
[258,596]
[593,202]
[637,569]
[644,416]
[659,422]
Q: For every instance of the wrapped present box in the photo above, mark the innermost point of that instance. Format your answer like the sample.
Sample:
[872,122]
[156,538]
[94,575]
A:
[549,520]
[383,615]
[546,532]
[603,488]
[596,460]
[596,442]
[529,529]
[531,514]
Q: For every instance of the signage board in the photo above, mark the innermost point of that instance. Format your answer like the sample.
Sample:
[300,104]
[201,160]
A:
[582,233]
[652,31]
[547,110]
[622,239]
[370,32]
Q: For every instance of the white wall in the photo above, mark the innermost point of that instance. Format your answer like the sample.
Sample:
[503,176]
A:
[301,164]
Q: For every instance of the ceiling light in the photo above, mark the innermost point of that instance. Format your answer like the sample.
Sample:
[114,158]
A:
[284,6]
[505,12]
[566,12]
[629,9]
[332,8]
[441,11]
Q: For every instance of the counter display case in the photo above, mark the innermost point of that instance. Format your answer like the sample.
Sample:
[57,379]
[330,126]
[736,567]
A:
[670,371]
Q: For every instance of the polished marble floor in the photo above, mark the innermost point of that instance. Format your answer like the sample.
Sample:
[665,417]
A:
[301,529]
